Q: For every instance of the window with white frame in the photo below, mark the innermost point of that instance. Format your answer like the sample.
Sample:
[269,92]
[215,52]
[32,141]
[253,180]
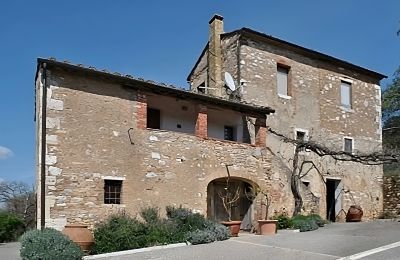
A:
[283,80]
[345,94]
[348,145]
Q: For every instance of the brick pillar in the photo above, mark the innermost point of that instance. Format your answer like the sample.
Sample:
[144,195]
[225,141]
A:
[261,132]
[201,122]
[141,111]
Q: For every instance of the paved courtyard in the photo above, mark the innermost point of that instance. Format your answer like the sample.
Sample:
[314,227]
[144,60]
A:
[367,240]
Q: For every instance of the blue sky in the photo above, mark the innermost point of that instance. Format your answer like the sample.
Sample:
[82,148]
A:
[161,40]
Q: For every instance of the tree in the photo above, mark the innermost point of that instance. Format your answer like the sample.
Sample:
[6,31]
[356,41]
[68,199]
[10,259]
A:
[301,166]
[19,198]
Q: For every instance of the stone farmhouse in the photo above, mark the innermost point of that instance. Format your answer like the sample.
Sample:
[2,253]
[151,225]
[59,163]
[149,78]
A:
[108,142]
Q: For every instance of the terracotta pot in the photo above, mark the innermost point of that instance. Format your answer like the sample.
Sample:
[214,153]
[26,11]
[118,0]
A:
[354,214]
[267,227]
[80,234]
[234,226]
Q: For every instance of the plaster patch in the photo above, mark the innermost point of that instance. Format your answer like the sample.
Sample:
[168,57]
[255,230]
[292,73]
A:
[52,123]
[151,175]
[51,139]
[55,104]
[54,171]
[155,156]
[51,159]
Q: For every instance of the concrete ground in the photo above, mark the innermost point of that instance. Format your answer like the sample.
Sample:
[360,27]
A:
[9,251]
[334,241]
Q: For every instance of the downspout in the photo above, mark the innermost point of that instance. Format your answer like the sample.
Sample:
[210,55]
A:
[43,153]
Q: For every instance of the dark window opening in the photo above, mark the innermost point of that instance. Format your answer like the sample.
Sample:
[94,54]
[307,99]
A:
[228,133]
[301,136]
[153,118]
[202,88]
[112,191]
[306,183]
[348,145]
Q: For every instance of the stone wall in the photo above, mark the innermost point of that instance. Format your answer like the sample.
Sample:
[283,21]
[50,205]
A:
[391,194]
[88,141]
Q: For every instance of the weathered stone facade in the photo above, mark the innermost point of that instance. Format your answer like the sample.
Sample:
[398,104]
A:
[391,194]
[312,106]
[96,130]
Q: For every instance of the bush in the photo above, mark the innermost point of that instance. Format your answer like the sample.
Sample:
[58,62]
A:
[306,223]
[150,215]
[11,227]
[119,232]
[318,220]
[213,232]
[48,244]
[284,222]
[185,219]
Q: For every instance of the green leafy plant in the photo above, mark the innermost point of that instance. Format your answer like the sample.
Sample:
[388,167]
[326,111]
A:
[11,227]
[318,220]
[48,244]
[119,232]
[284,221]
[306,223]
[212,232]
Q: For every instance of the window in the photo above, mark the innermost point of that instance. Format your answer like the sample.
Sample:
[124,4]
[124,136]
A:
[306,183]
[282,80]
[228,133]
[301,136]
[201,88]
[153,118]
[348,145]
[345,94]
[112,191]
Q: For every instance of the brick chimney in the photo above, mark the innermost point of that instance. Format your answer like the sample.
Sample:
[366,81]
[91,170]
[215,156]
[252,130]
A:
[215,56]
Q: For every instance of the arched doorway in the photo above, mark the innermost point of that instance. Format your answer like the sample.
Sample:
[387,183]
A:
[242,208]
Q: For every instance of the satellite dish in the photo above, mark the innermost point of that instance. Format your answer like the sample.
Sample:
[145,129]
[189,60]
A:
[229,81]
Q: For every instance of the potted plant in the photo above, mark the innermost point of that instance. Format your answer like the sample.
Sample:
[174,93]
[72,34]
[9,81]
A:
[266,226]
[229,198]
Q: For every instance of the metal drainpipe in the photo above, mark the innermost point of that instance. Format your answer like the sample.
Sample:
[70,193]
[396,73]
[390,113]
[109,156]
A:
[43,154]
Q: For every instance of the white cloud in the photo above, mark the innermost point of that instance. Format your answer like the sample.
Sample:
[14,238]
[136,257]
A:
[5,153]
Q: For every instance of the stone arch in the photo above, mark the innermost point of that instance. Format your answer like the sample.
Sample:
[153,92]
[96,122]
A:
[243,208]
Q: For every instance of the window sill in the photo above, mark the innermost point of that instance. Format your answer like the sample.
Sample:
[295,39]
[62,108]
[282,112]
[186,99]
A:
[114,205]
[284,96]
[347,109]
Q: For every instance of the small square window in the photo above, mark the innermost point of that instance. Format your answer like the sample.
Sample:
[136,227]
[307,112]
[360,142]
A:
[345,94]
[201,88]
[348,145]
[112,191]
[229,133]
[282,80]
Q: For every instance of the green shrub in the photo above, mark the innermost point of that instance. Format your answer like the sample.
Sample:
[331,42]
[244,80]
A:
[212,232]
[317,218]
[185,219]
[48,244]
[11,227]
[305,223]
[150,215]
[163,232]
[119,232]
[284,221]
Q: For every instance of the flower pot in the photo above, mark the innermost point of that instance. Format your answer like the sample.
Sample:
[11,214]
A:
[80,234]
[234,226]
[354,214]
[267,227]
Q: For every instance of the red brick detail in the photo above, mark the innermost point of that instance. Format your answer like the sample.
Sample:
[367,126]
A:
[141,111]
[261,132]
[201,122]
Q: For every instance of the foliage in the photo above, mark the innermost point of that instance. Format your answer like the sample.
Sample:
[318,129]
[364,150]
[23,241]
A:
[318,220]
[123,232]
[388,215]
[304,223]
[11,227]
[212,232]
[284,221]
[19,199]
[119,232]
[48,244]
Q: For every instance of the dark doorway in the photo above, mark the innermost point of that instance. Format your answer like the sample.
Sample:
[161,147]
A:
[333,199]
[242,208]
